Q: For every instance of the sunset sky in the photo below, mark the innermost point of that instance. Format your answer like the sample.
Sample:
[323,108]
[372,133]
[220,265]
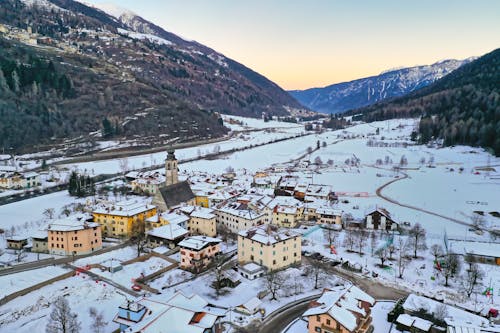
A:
[313,43]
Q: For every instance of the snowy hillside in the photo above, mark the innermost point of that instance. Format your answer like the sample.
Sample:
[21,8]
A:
[358,93]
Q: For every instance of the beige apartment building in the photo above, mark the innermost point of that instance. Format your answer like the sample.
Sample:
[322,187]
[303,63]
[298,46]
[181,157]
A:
[74,236]
[202,221]
[269,246]
[236,217]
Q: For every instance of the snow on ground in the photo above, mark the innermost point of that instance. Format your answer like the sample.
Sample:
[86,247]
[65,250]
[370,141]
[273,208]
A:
[30,313]
[133,271]
[124,254]
[172,277]
[14,282]
[419,276]
[28,216]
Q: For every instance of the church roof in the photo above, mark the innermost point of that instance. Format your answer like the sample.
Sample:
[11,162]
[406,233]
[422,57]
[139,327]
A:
[177,193]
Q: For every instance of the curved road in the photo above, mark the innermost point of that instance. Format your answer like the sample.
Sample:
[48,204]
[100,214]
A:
[391,200]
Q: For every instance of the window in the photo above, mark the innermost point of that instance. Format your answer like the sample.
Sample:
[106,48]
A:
[317,329]
[328,322]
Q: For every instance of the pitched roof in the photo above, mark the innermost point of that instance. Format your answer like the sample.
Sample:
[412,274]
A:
[177,193]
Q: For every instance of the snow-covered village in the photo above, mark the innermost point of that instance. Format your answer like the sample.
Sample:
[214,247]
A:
[330,218]
[249,166]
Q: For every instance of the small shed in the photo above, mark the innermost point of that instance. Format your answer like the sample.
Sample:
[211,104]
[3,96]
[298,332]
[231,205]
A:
[16,242]
[252,271]
[250,307]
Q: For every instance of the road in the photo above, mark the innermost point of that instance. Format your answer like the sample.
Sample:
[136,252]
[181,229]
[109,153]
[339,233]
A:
[281,318]
[394,201]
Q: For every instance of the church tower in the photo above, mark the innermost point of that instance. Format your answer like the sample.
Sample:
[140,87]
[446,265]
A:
[171,171]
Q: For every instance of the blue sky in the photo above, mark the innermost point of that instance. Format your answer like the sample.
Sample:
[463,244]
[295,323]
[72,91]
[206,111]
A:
[310,43]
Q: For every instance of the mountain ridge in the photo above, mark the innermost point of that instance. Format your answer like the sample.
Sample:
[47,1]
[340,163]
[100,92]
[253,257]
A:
[343,96]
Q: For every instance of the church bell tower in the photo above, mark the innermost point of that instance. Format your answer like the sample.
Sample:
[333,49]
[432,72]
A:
[171,171]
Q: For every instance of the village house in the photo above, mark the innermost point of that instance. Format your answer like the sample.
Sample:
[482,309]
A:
[16,242]
[237,216]
[380,219]
[287,216]
[174,192]
[328,215]
[180,313]
[159,220]
[341,309]
[148,182]
[40,242]
[17,180]
[74,236]
[202,221]
[197,252]
[482,252]
[456,321]
[269,246]
[168,235]
[118,219]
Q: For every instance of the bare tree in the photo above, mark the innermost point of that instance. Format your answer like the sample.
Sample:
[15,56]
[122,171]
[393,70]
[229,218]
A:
[361,236]
[437,251]
[417,237]
[273,281]
[229,169]
[98,322]
[349,239]
[49,213]
[478,221]
[62,320]
[373,242]
[472,277]
[323,144]
[219,270]
[318,160]
[330,235]
[329,162]
[441,312]
[451,266]
[138,235]
[382,253]
[422,160]
[391,249]
[402,248]
[309,150]
[316,270]
[123,164]
[216,149]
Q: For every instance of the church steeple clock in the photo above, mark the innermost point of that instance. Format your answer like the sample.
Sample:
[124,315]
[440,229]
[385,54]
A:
[171,171]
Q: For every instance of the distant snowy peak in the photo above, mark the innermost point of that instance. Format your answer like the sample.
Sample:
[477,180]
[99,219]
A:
[363,92]
[114,10]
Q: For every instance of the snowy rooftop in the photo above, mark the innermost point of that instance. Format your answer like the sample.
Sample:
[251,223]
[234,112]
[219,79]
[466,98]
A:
[268,234]
[477,248]
[240,210]
[124,208]
[187,314]
[413,303]
[174,218]
[169,232]
[341,303]
[203,213]
[198,242]
[329,211]
[72,223]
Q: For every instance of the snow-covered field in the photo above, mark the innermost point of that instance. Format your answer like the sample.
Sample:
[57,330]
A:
[19,281]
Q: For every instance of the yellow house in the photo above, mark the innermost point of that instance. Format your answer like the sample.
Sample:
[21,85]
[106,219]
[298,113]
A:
[327,215]
[201,199]
[198,251]
[16,242]
[74,236]
[342,310]
[202,221]
[269,246]
[117,220]
[167,218]
[287,216]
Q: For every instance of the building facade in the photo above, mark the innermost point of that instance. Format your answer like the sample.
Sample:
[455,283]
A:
[197,252]
[269,246]
[74,236]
